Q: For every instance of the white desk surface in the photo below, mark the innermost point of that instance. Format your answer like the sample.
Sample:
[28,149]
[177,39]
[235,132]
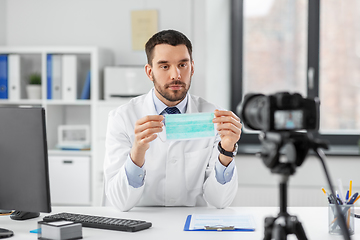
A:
[169,222]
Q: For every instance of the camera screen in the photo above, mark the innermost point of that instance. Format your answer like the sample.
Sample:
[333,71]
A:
[288,119]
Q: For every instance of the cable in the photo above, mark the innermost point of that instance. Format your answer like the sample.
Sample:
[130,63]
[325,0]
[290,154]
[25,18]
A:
[341,217]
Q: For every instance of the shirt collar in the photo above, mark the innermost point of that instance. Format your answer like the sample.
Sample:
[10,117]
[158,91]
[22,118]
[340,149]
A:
[160,106]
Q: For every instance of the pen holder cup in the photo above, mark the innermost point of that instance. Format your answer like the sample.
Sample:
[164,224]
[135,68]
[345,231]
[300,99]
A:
[348,212]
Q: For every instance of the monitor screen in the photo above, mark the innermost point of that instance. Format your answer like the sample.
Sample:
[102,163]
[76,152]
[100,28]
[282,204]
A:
[24,177]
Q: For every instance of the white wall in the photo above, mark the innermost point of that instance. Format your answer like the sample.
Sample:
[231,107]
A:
[218,52]
[2,22]
[106,23]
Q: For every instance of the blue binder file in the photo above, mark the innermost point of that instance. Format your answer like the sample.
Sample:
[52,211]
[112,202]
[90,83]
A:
[3,77]
[85,94]
[49,76]
[209,222]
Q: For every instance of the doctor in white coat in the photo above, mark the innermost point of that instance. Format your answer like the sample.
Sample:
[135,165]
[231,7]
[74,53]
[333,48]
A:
[143,170]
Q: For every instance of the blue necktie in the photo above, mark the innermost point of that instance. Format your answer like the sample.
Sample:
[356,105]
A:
[172,110]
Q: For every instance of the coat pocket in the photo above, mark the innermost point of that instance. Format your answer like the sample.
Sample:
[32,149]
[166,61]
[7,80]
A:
[195,167]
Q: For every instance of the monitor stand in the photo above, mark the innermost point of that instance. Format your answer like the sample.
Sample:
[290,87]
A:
[4,233]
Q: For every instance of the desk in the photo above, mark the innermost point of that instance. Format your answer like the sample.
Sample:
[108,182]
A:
[169,222]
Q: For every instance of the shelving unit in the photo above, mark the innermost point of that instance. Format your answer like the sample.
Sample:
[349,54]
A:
[68,112]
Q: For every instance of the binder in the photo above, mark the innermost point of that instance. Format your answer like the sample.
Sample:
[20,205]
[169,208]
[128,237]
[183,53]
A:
[207,222]
[56,76]
[49,76]
[85,94]
[14,77]
[3,76]
[69,77]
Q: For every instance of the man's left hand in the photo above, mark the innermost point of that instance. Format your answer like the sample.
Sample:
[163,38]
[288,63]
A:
[229,129]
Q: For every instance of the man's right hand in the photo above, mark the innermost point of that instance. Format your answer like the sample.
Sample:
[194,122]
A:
[146,130]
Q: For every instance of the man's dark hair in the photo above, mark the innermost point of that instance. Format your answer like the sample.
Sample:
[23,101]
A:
[171,37]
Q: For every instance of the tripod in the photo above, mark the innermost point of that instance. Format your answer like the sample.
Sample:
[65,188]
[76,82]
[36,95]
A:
[279,227]
[296,147]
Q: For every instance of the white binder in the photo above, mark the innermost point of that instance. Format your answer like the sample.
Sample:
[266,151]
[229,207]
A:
[56,76]
[14,77]
[69,76]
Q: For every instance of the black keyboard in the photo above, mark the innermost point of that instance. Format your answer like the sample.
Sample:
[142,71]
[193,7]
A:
[118,224]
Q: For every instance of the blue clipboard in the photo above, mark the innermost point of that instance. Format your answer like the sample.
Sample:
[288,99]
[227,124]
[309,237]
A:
[215,228]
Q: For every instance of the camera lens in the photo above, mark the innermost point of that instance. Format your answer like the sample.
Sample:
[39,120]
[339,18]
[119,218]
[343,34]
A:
[253,111]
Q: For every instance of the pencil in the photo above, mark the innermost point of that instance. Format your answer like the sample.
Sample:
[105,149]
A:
[350,188]
[356,199]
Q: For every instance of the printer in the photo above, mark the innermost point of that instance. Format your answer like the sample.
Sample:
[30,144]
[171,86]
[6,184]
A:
[125,81]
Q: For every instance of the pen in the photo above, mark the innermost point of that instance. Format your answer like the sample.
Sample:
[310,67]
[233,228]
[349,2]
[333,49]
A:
[352,199]
[323,189]
[350,188]
[333,198]
[357,198]
[347,196]
[328,196]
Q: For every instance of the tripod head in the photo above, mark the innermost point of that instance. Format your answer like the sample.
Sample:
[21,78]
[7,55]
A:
[295,146]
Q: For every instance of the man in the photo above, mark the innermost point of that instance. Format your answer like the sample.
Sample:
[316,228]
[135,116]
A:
[141,169]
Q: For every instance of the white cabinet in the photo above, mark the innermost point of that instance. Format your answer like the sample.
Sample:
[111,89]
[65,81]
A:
[69,180]
[64,110]
[103,110]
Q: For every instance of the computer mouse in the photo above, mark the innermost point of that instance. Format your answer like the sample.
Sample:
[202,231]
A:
[22,215]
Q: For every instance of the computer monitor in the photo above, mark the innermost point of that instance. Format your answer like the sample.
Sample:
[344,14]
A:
[24,175]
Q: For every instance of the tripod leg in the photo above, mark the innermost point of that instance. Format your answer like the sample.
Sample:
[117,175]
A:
[279,232]
[269,222]
[299,231]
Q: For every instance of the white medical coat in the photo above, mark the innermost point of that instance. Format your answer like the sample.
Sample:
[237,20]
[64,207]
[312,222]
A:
[178,173]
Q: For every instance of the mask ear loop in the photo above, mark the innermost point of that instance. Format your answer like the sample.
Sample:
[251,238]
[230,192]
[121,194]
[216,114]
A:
[162,133]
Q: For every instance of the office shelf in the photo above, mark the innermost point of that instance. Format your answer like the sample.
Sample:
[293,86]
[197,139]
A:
[67,111]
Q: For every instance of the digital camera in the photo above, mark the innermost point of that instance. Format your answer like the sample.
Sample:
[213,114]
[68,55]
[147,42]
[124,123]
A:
[279,112]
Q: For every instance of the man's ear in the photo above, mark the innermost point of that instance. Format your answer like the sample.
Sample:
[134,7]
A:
[148,71]
[192,68]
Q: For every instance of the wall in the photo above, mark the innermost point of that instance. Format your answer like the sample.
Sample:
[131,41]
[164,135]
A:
[2,22]
[218,52]
[88,22]
[107,24]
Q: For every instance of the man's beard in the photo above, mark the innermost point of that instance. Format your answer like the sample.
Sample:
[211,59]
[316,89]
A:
[172,96]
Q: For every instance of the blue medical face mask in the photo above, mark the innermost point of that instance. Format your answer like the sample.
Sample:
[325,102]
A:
[189,126]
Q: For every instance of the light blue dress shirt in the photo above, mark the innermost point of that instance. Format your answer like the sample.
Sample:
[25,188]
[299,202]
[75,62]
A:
[136,174]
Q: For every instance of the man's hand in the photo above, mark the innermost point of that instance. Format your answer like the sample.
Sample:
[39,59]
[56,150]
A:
[229,128]
[146,130]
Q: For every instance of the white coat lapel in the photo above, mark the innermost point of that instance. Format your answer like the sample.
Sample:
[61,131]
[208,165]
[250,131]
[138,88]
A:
[148,105]
[191,106]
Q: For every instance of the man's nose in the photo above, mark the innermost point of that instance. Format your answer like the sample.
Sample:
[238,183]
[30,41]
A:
[175,73]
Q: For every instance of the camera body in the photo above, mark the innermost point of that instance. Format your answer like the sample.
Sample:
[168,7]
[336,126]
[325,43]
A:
[281,111]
